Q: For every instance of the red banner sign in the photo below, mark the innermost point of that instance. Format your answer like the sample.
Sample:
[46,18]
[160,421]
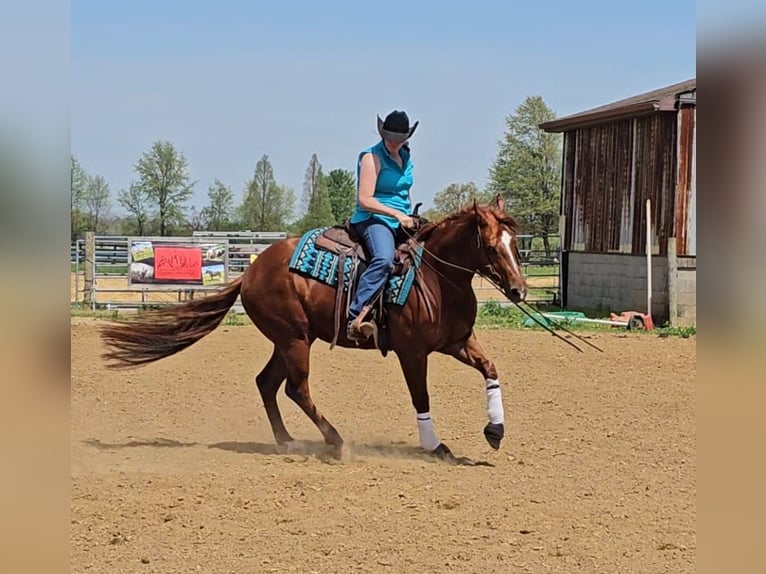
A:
[178,263]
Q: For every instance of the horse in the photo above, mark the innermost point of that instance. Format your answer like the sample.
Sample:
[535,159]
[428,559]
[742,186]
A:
[293,311]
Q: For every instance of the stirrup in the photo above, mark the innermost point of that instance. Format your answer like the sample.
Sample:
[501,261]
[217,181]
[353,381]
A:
[367,329]
[359,331]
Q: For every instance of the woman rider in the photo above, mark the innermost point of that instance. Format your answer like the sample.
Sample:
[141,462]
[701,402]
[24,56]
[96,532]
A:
[384,175]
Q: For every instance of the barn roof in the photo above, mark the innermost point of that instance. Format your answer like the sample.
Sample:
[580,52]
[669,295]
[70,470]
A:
[661,99]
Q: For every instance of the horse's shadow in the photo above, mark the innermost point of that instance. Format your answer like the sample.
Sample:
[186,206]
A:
[155,442]
[159,442]
[307,448]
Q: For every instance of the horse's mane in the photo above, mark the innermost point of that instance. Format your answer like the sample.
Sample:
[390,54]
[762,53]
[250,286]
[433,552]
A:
[428,229]
[461,216]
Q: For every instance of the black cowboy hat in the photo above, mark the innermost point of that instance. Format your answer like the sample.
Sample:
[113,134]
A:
[396,126]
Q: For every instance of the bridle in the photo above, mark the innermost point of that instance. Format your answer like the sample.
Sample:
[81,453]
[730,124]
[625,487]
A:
[490,250]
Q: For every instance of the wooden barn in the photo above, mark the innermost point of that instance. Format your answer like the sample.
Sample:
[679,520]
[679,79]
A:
[615,157]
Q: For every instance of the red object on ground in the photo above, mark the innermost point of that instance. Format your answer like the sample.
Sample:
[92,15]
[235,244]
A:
[628,316]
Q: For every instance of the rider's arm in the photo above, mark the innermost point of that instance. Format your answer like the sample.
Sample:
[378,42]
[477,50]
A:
[368,175]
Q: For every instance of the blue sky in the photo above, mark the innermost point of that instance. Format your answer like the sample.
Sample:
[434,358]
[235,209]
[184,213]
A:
[229,81]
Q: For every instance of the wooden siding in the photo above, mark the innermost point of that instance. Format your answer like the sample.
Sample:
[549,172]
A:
[685,188]
[610,170]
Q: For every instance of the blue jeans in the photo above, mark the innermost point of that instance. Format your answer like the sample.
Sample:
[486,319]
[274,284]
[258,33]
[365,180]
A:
[379,240]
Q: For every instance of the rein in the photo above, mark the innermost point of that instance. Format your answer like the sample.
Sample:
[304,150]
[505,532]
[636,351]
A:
[480,244]
[413,237]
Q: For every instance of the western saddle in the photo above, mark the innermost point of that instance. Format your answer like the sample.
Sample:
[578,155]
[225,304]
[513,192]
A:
[345,243]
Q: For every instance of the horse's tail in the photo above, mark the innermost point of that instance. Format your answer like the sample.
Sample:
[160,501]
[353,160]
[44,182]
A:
[159,334]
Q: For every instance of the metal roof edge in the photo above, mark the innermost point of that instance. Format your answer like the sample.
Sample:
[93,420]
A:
[605,116]
[615,111]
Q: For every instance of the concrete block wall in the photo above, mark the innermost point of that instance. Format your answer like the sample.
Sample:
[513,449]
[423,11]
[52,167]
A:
[611,282]
[686,292]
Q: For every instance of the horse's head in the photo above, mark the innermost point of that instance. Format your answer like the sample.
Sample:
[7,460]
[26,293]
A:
[498,251]
[485,237]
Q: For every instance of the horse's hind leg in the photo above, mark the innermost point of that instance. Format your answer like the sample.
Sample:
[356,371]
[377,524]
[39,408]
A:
[296,357]
[269,380]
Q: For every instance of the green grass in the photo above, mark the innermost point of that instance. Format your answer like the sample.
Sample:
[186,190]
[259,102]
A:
[236,320]
[491,315]
[544,270]
[102,269]
[683,332]
[232,319]
[77,311]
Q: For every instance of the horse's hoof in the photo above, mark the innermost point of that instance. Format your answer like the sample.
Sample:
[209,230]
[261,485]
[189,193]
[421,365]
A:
[494,433]
[442,452]
[296,447]
[342,453]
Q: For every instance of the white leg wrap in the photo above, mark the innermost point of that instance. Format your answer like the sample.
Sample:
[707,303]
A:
[495,402]
[428,440]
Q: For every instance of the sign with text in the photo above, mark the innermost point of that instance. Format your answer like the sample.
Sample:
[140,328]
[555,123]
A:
[165,262]
[179,263]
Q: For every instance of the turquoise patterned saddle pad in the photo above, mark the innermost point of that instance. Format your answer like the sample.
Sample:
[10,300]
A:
[322,265]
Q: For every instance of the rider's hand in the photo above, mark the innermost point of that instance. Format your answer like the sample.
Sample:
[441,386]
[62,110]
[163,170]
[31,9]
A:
[406,221]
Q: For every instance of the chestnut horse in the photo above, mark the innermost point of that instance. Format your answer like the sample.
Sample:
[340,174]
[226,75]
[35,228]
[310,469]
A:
[293,311]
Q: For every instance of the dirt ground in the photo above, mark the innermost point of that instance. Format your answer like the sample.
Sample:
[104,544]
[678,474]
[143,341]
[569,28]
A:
[174,469]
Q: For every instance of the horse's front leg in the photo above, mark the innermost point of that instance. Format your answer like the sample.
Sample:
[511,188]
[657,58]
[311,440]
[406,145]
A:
[415,369]
[470,353]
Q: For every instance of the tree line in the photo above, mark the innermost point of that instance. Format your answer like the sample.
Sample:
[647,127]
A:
[157,201]
[526,171]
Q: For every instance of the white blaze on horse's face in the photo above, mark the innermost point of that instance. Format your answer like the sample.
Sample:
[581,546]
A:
[518,284]
[505,240]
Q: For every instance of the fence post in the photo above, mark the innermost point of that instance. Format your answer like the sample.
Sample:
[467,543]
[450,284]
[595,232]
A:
[672,282]
[90,267]
[77,271]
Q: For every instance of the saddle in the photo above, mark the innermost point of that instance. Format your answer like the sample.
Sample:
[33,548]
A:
[341,239]
[346,243]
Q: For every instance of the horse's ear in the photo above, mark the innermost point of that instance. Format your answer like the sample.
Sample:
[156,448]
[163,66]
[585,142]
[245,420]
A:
[499,202]
[479,212]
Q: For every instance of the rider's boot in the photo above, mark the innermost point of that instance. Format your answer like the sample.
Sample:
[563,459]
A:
[358,329]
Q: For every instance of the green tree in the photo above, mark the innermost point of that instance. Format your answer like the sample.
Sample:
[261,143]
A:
[163,177]
[96,203]
[267,206]
[78,181]
[136,203]
[196,220]
[315,199]
[453,198]
[217,215]
[527,169]
[340,188]
[283,198]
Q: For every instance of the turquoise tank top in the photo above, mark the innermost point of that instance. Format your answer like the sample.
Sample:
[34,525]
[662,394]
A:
[392,188]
